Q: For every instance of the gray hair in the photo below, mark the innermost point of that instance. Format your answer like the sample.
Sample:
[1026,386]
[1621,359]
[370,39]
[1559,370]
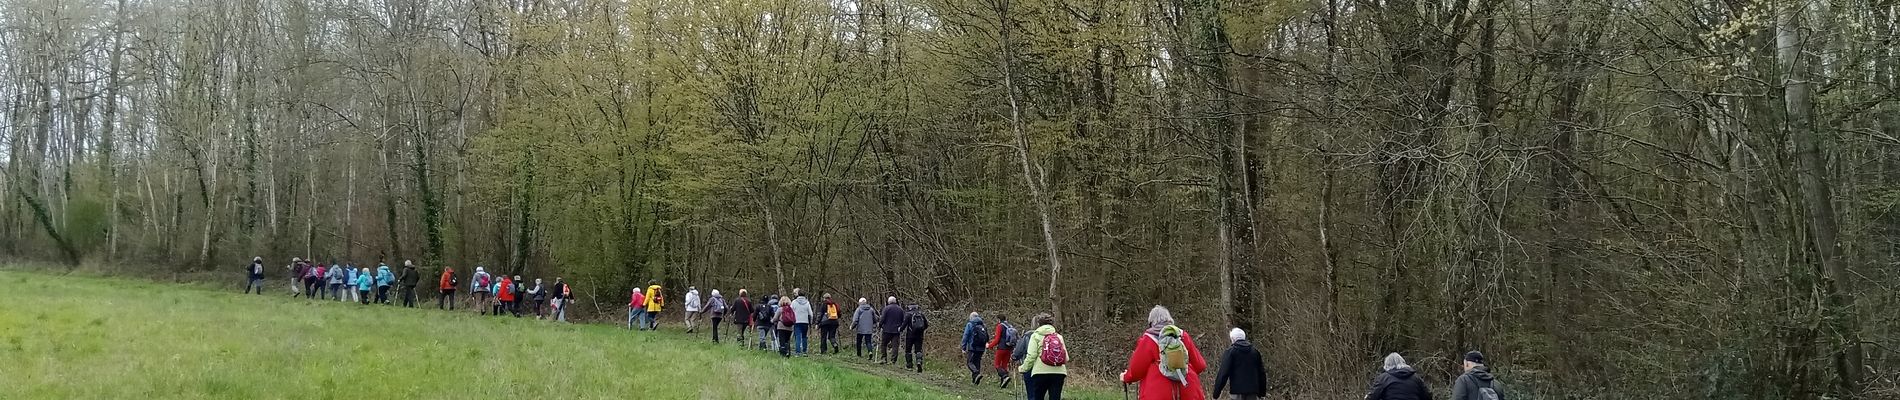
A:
[1237,335]
[1160,316]
[1395,361]
[892,300]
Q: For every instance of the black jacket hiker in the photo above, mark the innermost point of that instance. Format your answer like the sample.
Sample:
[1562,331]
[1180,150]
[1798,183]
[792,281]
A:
[1399,384]
[1241,371]
[1471,385]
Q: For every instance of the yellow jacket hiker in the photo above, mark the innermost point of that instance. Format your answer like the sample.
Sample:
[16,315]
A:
[655,299]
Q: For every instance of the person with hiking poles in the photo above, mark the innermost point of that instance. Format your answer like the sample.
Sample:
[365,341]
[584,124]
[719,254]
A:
[479,283]
[1166,364]
[693,308]
[1004,343]
[863,324]
[828,327]
[1398,382]
[364,282]
[892,324]
[784,320]
[637,310]
[801,323]
[447,286]
[384,278]
[1476,383]
[764,315]
[1241,366]
[975,338]
[716,308]
[914,326]
[741,315]
[656,298]
[409,279]
[563,294]
[505,292]
[1046,364]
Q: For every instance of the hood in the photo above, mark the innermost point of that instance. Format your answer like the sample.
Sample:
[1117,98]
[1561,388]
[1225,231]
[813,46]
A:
[384,269]
[975,320]
[1402,373]
[1482,373]
[716,295]
[1243,343]
[1045,329]
[801,302]
[864,307]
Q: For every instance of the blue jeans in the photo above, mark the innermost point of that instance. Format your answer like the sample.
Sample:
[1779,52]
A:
[635,315]
[765,337]
[798,337]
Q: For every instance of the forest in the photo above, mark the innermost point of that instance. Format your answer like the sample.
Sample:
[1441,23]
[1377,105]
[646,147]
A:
[1615,199]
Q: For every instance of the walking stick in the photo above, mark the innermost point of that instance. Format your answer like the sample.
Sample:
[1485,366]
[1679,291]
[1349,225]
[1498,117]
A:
[1124,391]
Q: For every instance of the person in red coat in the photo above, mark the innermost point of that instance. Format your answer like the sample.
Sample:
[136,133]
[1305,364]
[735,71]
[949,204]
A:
[1144,365]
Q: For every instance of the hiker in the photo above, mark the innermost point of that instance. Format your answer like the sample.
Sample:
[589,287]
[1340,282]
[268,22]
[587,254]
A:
[1241,366]
[562,294]
[975,336]
[333,279]
[656,299]
[1047,363]
[479,283]
[787,317]
[1020,353]
[296,275]
[384,278]
[717,308]
[409,279]
[763,317]
[310,275]
[1165,362]
[892,323]
[1398,382]
[539,296]
[801,324]
[448,284]
[520,291]
[1004,342]
[505,292]
[254,275]
[692,309]
[637,310]
[349,285]
[914,325]
[863,323]
[828,327]
[364,281]
[741,315]
[1476,383]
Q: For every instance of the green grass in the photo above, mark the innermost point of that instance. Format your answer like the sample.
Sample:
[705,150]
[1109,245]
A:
[65,337]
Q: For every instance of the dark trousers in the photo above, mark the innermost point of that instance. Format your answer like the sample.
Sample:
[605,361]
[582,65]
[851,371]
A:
[655,317]
[1046,386]
[974,359]
[1029,385]
[447,298]
[864,342]
[887,348]
[336,291]
[914,350]
[382,294]
[364,294]
[409,296]
[715,328]
[537,307]
[828,338]
[784,342]
[310,288]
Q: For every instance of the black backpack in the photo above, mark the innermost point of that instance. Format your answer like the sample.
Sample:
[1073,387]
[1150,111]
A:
[917,321]
[982,336]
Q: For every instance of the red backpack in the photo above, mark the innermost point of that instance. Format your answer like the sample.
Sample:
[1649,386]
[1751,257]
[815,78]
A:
[1053,352]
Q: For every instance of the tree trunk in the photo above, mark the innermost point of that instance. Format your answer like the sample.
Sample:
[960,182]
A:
[1032,172]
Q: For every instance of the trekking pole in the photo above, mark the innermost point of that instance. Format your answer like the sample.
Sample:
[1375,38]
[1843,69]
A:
[1124,391]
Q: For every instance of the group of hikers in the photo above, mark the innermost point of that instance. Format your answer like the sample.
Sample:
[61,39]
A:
[1166,364]
[343,281]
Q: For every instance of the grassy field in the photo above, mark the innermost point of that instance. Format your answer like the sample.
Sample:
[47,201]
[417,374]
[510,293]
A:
[64,337]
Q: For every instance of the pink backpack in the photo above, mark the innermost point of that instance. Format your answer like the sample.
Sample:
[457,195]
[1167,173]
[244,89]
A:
[1053,352]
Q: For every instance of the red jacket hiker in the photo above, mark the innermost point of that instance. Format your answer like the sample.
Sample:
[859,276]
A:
[1145,366]
[639,300]
[448,280]
[1002,357]
[506,292]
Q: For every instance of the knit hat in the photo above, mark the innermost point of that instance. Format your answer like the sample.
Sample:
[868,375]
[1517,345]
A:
[1475,357]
